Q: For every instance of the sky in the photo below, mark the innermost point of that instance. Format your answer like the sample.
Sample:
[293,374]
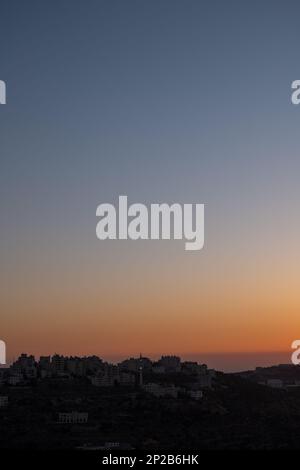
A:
[163,101]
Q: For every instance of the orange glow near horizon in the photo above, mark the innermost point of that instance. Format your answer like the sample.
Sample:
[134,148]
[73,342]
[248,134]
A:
[131,310]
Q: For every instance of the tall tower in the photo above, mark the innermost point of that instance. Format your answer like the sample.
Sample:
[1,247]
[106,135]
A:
[141,372]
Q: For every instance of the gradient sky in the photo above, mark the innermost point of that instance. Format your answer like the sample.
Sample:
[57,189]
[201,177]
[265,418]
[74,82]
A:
[164,101]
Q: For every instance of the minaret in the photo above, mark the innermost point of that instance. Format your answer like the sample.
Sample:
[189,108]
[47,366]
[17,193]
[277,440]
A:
[141,372]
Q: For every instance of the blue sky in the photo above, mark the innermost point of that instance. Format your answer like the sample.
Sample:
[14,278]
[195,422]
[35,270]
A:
[173,101]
